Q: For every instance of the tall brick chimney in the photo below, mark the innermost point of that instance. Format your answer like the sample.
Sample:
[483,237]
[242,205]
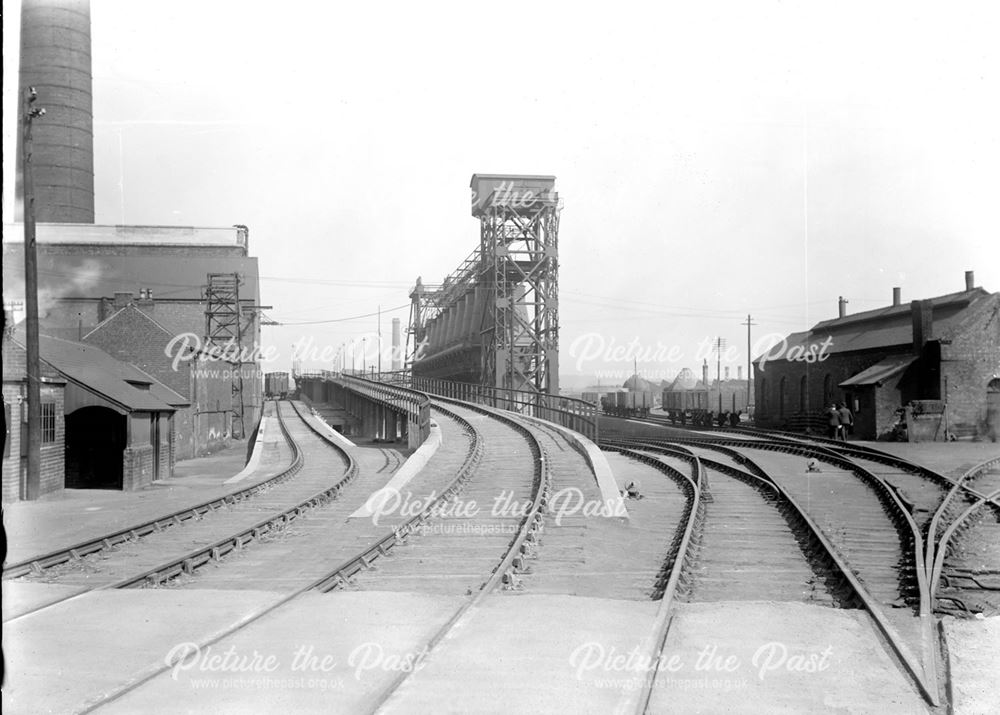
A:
[739,372]
[704,372]
[970,280]
[897,296]
[922,314]
[841,307]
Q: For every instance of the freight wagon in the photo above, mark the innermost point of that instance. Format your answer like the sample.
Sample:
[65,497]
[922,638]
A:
[276,385]
[627,404]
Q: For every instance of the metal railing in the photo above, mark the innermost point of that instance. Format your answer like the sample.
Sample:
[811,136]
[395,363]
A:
[415,405]
[566,411]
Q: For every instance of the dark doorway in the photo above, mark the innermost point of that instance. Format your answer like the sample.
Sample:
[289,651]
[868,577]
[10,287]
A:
[95,442]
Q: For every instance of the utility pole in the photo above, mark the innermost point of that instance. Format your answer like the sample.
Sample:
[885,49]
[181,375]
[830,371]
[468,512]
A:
[31,486]
[750,396]
[380,342]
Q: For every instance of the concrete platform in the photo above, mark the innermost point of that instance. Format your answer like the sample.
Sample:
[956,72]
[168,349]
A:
[527,655]
[74,515]
[338,652]
[766,657]
[974,647]
[949,458]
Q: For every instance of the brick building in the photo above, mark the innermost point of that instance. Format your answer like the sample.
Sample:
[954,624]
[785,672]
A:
[89,273]
[15,390]
[105,423]
[933,365]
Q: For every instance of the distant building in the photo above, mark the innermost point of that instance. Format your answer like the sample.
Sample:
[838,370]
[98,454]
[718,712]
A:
[89,274]
[933,365]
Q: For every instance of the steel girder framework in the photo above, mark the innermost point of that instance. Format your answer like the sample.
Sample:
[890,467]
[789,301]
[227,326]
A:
[495,320]
[224,331]
[519,246]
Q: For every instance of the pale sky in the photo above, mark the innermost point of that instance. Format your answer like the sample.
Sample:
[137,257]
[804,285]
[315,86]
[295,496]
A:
[714,159]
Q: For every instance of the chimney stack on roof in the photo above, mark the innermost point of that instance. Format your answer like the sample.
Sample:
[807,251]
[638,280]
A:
[970,280]
[122,298]
[842,307]
[897,296]
[922,313]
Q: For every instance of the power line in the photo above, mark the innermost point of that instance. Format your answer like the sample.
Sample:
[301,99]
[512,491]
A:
[344,320]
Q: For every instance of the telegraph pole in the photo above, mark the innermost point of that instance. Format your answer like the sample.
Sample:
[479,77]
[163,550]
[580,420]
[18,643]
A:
[31,487]
[750,397]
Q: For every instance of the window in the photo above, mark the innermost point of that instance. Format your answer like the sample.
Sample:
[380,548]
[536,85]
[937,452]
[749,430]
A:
[827,390]
[48,422]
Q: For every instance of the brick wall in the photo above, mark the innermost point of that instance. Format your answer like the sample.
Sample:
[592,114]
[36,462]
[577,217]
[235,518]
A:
[968,364]
[52,467]
[131,336]
[138,466]
[12,462]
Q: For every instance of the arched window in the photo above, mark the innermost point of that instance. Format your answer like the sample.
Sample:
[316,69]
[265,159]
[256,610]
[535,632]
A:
[803,398]
[827,390]
[781,398]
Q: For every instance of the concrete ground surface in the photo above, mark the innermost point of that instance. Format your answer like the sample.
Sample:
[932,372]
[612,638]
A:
[529,653]
[974,657]
[776,657]
[337,652]
[64,518]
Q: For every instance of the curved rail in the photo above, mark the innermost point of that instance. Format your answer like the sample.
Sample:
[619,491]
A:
[922,669]
[37,564]
[513,559]
[941,547]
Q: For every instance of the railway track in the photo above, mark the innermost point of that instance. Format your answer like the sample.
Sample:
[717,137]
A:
[376,560]
[849,530]
[38,565]
[167,555]
[965,570]
[935,503]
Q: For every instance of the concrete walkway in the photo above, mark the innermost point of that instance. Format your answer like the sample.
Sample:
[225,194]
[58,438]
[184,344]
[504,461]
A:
[74,515]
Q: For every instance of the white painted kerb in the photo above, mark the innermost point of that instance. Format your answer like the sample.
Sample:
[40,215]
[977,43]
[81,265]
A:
[411,468]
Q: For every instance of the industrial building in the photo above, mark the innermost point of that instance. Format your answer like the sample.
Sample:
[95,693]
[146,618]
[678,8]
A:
[929,370]
[137,291]
[105,423]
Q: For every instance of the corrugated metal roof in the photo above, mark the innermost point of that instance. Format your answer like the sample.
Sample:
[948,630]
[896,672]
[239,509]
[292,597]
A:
[880,371]
[99,372]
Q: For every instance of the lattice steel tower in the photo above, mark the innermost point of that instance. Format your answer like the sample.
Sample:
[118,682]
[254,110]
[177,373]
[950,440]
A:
[224,331]
[519,248]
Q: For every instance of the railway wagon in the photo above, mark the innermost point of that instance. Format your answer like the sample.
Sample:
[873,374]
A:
[698,402]
[276,385]
[627,404]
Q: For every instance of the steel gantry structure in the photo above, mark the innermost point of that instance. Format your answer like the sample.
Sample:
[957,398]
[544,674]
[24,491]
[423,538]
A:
[495,320]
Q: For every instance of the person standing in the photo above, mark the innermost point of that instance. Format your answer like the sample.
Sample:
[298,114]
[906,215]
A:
[846,419]
[832,422]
